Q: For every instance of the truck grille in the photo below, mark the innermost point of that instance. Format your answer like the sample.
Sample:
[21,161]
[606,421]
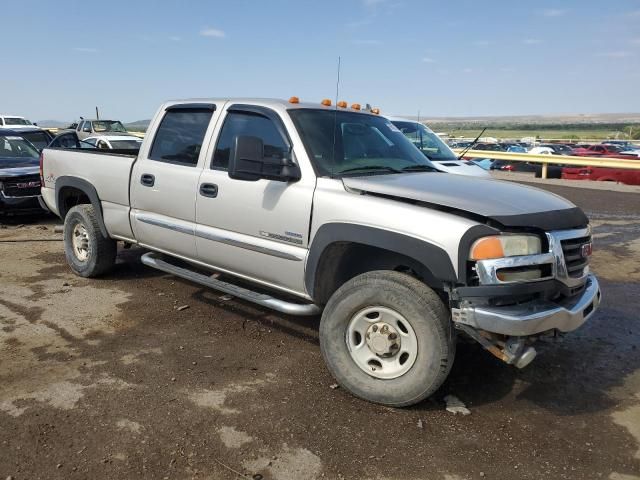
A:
[574,257]
[24,186]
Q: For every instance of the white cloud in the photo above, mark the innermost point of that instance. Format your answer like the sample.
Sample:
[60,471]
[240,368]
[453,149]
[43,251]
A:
[85,49]
[212,32]
[616,54]
[175,38]
[532,41]
[428,60]
[554,12]
[367,42]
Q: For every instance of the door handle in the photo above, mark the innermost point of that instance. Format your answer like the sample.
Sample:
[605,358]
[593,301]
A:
[209,190]
[147,179]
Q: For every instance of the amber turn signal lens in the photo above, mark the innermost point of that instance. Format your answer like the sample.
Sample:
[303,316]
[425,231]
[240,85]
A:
[375,111]
[355,106]
[342,104]
[489,247]
[294,100]
[326,102]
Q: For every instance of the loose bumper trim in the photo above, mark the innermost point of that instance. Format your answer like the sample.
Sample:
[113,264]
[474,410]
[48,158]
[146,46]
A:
[535,316]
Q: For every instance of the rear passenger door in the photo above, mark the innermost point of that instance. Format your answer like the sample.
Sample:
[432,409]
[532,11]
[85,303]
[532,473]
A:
[165,177]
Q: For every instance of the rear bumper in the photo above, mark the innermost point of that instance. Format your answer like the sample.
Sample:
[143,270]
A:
[533,317]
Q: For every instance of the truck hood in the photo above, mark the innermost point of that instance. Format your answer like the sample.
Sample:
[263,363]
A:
[507,203]
[15,167]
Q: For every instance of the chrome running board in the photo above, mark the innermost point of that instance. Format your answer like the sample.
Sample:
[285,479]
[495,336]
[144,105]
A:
[154,260]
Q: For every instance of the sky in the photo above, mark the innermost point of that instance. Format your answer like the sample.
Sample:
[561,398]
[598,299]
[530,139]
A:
[440,58]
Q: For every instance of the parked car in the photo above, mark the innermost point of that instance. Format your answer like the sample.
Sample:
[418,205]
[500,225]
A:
[558,148]
[90,128]
[19,175]
[602,174]
[14,122]
[513,166]
[610,151]
[69,139]
[38,137]
[432,146]
[118,142]
[317,209]
[542,150]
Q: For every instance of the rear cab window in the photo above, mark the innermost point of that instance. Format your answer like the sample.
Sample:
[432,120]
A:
[180,135]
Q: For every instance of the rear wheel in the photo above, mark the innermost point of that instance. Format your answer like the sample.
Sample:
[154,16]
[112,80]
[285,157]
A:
[88,252]
[386,337]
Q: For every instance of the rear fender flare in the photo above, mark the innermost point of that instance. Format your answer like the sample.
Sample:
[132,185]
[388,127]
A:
[86,188]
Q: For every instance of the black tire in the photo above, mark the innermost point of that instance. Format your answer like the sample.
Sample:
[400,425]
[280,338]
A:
[101,251]
[425,313]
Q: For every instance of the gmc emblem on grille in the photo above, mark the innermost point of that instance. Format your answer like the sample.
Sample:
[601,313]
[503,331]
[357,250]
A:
[28,184]
[586,250]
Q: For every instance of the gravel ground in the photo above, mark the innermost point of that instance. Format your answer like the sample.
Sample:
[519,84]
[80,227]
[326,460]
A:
[108,378]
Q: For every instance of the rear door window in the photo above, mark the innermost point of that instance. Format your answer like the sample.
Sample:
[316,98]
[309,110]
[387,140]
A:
[180,135]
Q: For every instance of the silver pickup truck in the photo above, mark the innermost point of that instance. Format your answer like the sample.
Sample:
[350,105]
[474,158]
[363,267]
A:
[313,209]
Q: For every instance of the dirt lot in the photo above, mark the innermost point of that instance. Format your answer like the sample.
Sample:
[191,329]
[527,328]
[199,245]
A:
[109,379]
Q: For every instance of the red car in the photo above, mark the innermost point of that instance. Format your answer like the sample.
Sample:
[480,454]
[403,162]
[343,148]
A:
[609,151]
[602,174]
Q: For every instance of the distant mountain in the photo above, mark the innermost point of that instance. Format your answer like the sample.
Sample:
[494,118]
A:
[138,125]
[52,123]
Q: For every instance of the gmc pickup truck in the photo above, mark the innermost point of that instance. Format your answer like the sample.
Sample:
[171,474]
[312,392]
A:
[313,209]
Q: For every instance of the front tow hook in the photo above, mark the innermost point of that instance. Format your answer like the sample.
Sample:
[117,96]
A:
[514,351]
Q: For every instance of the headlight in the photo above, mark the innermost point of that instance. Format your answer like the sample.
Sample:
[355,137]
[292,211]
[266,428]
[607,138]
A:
[500,246]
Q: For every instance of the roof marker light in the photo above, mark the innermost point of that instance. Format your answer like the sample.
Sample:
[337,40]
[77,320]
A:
[355,106]
[326,102]
[375,111]
[294,100]
[341,104]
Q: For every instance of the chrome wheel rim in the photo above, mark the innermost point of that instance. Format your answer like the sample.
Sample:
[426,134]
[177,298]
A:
[80,242]
[382,342]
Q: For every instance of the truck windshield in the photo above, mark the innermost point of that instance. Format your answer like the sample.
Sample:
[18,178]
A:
[428,142]
[16,121]
[108,126]
[343,143]
[16,147]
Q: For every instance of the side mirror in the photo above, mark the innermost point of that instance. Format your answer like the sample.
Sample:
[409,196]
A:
[35,124]
[247,162]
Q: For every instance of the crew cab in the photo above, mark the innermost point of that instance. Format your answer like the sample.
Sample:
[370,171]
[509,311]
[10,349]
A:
[313,209]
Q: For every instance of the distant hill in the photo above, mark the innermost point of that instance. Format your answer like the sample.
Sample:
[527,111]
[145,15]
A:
[52,123]
[138,125]
[560,119]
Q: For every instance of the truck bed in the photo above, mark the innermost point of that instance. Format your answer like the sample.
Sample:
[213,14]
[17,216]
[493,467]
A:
[107,171]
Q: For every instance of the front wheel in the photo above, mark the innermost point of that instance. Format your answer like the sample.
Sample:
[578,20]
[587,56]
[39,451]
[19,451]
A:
[386,337]
[88,252]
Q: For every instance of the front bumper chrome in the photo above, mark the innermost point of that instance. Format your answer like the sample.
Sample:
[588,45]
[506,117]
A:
[533,317]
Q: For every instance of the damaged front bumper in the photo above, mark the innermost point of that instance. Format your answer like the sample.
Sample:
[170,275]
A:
[533,317]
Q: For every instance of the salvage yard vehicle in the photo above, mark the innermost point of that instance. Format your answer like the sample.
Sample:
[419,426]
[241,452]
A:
[19,175]
[321,209]
[14,122]
[432,146]
[38,137]
[89,128]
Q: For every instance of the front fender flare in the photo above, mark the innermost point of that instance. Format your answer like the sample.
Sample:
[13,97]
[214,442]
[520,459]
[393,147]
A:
[433,257]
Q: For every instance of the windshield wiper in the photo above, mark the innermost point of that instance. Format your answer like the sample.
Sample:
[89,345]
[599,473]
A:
[418,168]
[471,145]
[370,167]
